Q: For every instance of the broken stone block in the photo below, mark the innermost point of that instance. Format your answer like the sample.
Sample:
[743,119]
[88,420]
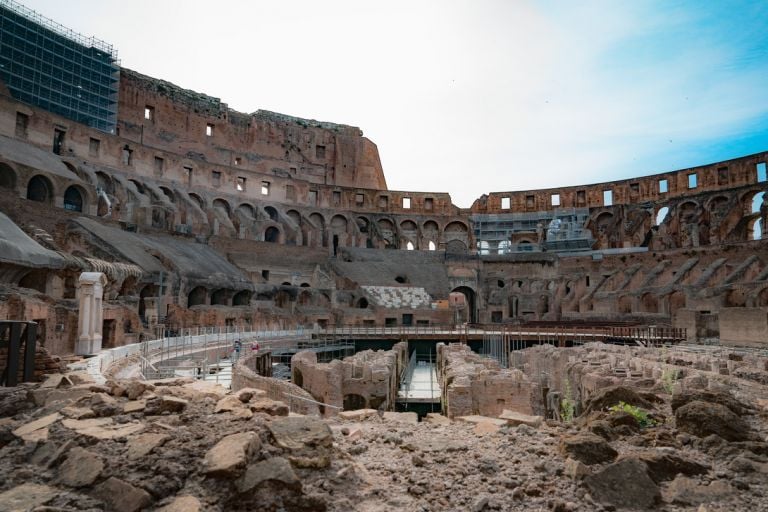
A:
[121,496]
[587,448]
[276,469]
[182,504]
[103,404]
[245,395]
[357,415]
[297,432]
[686,491]
[135,388]
[485,428]
[230,455]
[78,413]
[56,380]
[624,484]
[480,419]
[410,418]
[705,418]
[514,419]
[103,428]
[271,407]
[134,406]
[436,419]
[575,469]
[27,496]
[228,403]
[161,404]
[80,468]
[141,445]
[27,431]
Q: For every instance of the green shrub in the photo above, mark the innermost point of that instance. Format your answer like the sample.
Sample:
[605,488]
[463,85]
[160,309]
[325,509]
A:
[567,405]
[639,414]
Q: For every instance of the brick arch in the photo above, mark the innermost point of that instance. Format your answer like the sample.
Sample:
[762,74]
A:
[40,188]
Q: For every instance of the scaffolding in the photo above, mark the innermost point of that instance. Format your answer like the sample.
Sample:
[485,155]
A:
[52,67]
[562,229]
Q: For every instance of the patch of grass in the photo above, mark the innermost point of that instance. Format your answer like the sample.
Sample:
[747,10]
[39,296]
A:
[639,414]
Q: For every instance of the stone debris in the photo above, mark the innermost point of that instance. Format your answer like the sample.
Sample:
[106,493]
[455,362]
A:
[140,445]
[514,419]
[276,469]
[121,496]
[80,468]
[197,459]
[26,497]
[230,455]
[401,417]
[36,430]
[358,414]
[183,504]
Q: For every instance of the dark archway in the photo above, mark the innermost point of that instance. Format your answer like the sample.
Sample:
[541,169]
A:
[73,199]
[220,297]
[272,235]
[35,280]
[40,189]
[7,177]
[147,291]
[362,303]
[354,402]
[242,298]
[196,297]
[272,212]
[469,293]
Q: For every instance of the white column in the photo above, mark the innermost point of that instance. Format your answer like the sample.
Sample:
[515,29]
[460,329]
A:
[91,315]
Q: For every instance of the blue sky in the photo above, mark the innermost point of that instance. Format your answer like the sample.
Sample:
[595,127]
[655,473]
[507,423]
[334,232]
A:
[472,97]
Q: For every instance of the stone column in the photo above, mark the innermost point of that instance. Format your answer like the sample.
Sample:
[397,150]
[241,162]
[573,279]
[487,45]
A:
[91,292]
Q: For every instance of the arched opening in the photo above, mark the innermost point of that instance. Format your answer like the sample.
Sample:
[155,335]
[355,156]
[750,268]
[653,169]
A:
[409,246]
[272,212]
[362,303]
[339,223]
[661,215]
[222,206]
[272,235]
[197,200]
[147,291]
[762,298]
[7,176]
[220,297]
[34,280]
[676,301]
[401,279]
[354,402]
[432,245]
[625,304]
[514,306]
[736,298]
[128,288]
[649,303]
[305,298]
[73,199]
[756,231]
[169,194]
[455,247]
[469,294]
[294,216]
[362,224]
[197,297]
[282,299]
[242,298]
[304,285]
[40,189]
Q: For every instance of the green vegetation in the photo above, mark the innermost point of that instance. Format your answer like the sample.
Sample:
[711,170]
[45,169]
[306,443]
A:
[668,379]
[567,405]
[639,414]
